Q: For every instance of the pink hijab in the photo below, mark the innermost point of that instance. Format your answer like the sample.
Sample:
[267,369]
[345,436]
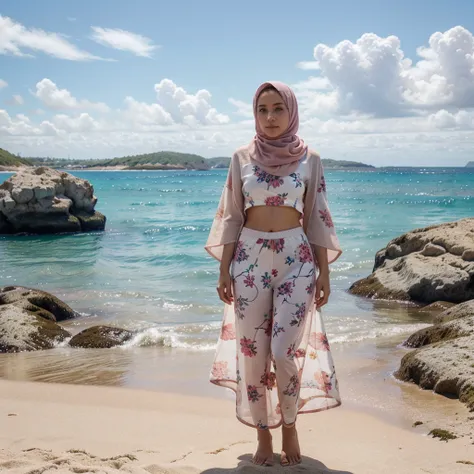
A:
[278,156]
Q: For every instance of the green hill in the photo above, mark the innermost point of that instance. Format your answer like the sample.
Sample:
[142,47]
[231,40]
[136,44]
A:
[170,160]
[9,160]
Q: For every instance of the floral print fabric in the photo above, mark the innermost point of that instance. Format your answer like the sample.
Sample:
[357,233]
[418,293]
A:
[247,184]
[264,189]
[273,350]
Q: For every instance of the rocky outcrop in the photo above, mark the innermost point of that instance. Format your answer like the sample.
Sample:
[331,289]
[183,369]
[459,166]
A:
[28,319]
[101,337]
[42,200]
[425,265]
[444,358]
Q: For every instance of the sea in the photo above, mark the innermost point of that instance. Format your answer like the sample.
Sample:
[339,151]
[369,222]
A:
[148,272]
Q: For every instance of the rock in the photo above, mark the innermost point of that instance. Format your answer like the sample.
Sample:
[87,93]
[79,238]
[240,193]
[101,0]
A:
[444,360]
[442,332]
[39,302]
[101,337]
[462,310]
[23,330]
[424,266]
[445,367]
[438,306]
[43,200]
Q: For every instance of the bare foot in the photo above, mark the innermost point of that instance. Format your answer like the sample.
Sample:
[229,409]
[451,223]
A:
[264,454]
[290,453]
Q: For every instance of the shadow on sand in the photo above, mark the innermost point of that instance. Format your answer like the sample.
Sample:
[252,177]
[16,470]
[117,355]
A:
[245,466]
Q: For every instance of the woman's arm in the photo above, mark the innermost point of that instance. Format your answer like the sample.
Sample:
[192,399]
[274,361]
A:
[224,284]
[322,283]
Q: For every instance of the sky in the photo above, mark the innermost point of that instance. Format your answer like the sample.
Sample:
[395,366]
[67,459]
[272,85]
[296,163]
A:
[382,82]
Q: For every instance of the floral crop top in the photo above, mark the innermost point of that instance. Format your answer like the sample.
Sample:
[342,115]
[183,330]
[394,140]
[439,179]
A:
[249,185]
[264,189]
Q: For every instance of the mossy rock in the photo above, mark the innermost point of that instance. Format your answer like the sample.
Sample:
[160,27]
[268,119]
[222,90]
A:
[101,337]
[23,330]
[90,221]
[39,302]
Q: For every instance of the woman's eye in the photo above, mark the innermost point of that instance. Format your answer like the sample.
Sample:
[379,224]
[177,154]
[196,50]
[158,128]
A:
[279,109]
[262,110]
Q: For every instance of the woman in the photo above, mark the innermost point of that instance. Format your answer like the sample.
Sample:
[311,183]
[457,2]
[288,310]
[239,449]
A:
[274,237]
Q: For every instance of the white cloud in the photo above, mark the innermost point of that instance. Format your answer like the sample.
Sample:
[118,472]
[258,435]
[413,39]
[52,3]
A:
[188,108]
[244,109]
[15,38]
[124,41]
[3,83]
[373,76]
[308,65]
[53,97]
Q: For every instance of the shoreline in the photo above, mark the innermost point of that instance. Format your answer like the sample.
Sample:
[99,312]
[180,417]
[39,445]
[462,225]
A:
[78,427]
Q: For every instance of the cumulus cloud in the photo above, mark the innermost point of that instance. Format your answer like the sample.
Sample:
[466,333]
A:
[16,38]
[373,76]
[124,41]
[3,83]
[53,97]
[188,108]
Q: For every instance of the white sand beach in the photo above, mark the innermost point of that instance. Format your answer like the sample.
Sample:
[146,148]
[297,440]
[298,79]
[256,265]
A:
[62,428]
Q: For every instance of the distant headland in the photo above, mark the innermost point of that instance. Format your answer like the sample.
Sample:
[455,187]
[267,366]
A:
[162,160]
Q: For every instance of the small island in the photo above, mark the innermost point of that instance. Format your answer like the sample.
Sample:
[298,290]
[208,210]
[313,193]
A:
[162,160]
[470,164]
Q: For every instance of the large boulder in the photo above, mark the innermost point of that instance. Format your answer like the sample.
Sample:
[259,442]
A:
[444,358]
[28,319]
[426,265]
[40,302]
[101,337]
[43,200]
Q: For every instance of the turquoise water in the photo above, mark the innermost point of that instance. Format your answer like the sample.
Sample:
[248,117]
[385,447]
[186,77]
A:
[149,271]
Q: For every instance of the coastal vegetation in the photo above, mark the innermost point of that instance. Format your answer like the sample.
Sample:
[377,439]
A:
[158,160]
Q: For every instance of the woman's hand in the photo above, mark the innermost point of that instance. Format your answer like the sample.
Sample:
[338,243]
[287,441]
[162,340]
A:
[322,285]
[224,287]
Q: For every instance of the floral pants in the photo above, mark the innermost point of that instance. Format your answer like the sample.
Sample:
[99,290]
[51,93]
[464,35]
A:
[273,279]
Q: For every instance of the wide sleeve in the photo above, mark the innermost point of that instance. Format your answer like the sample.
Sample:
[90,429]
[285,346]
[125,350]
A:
[317,219]
[229,217]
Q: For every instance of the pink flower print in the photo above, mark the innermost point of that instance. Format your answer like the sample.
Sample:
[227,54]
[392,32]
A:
[275,181]
[220,370]
[319,341]
[323,379]
[322,185]
[250,281]
[291,352]
[292,387]
[305,254]
[252,393]
[228,332]
[277,245]
[248,347]
[309,288]
[268,380]
[300,353]
[278,200]
[274,272]
[285,289]
[326,217]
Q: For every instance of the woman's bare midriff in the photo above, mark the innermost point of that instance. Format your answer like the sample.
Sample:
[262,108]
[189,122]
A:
[272,218]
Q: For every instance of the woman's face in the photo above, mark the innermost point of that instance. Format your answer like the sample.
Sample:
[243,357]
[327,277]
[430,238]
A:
[272,114]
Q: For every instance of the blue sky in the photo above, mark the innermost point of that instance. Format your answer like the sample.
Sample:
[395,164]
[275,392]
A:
[111,78]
